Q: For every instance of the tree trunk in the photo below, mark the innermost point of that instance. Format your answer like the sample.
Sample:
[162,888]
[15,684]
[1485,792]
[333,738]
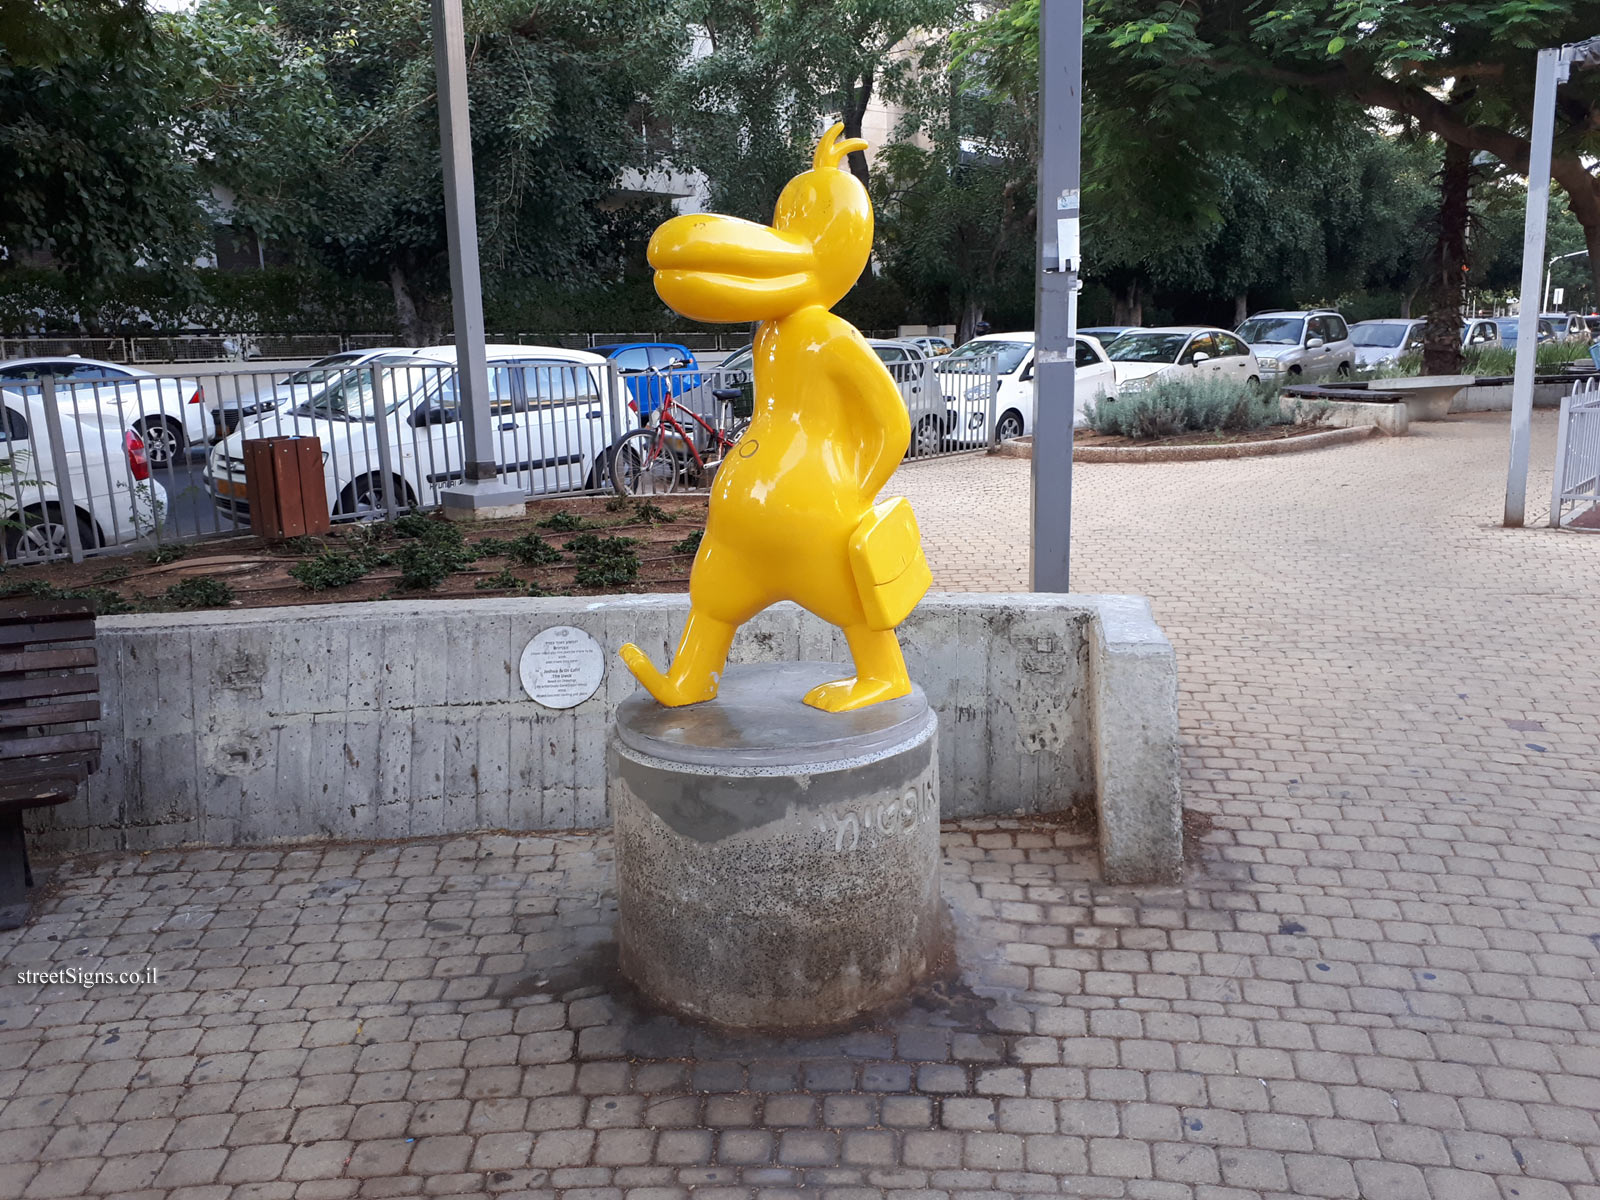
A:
[855,108]
[414,328]
[1406,301]
[1127,307]
[1241,309]
[1441,336]
[971,317]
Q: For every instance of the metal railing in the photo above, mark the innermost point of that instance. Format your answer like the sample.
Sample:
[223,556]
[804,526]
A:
[1575,492]
[236,347]
[102,466]
[106,466]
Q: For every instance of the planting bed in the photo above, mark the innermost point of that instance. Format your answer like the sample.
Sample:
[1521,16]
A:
[563,547]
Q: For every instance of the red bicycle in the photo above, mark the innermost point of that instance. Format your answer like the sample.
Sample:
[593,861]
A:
[652,461]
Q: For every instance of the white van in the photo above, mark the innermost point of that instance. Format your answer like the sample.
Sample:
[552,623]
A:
[1095,379]
[114,500]
[552,425]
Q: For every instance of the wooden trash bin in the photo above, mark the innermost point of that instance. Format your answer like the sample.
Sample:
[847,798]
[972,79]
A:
[284,487]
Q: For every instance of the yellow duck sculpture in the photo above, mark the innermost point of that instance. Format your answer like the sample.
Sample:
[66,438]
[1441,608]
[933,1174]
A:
[792,513]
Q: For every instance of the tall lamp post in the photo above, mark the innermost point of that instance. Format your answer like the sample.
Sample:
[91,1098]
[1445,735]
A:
[1552,67]
[481,495]
[1549,274]
[1055,319]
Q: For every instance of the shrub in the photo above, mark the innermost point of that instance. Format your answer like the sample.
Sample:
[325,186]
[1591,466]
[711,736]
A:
[1173,405]
[330,569]
[529,550]
[104,601]
[653,514]
[199,591]
[690,544]
[425,565]
[562,522]
[167,552]
[604,562]
[1492,361]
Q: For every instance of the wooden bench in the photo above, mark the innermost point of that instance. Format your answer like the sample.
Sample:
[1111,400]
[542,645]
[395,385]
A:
[48,685]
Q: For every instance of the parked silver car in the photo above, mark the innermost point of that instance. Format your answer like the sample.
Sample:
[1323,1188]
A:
[1314,343]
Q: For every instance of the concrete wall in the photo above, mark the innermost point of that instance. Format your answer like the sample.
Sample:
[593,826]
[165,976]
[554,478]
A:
[1495,396]
[405,719]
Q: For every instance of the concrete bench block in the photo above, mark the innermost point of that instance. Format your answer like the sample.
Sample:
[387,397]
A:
[407,718]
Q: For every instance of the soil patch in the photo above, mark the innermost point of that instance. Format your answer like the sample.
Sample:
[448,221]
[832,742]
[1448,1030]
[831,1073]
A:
[654,548]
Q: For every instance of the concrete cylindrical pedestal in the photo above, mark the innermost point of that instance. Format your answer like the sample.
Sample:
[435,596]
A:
[776,866]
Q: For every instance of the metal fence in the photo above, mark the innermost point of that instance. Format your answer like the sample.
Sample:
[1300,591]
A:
[99,467]
[108,465]
[1575,494]
[236,347]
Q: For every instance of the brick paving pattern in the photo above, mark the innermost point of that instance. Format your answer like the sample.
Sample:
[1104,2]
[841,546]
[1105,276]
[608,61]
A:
[1380,980]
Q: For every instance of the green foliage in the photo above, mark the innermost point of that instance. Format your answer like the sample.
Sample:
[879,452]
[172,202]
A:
[652,514]
[425,565]
[106,603]
[167,552]
[1184,404]
[199,591]
[529,550]
[748,111]
[91,105]
[432,550]
[501,581]
[330,569]
[604,561]
[690,544]
[563,521]
[1494,361]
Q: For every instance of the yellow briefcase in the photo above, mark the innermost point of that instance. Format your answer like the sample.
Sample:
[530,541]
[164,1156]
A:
[886,556]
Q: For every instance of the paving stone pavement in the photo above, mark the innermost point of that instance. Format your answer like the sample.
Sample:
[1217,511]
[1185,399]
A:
[1381,978]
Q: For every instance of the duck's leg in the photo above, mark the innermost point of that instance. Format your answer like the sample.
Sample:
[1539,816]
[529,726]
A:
[880,673]
[696,667]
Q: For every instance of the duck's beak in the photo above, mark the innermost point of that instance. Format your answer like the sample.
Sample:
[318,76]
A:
[713,268]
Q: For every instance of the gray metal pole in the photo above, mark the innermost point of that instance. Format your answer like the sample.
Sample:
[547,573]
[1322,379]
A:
[466,284]
[1544,107]
[1055,298]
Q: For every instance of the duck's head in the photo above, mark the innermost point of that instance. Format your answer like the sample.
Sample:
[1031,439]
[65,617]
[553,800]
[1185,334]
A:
[723,269]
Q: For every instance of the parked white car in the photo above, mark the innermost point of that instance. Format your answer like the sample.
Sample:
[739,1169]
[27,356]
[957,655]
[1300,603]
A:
[1095,380]
[1142,356]
[297,387]
[114,500]
[919,387]
[930,344]
[553,423]
[1314,343]
[169,415]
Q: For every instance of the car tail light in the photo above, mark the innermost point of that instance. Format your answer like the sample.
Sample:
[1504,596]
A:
[199,395]
[137,462]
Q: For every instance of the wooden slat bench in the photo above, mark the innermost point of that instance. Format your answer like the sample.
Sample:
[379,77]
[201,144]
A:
[48,686]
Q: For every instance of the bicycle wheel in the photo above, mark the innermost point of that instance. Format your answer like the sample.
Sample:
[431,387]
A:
[642,464]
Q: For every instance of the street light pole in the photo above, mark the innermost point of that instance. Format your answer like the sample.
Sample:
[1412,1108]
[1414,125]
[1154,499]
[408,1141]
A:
[1551,68]
[1056,296]
[482,495]
[1549,274]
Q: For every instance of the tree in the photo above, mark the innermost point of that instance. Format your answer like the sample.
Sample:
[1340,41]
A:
[1461,70]
[766,76]
[90,104]
[954,191]
[552,87]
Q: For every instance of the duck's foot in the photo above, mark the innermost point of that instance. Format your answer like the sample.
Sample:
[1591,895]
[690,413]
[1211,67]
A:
[666,690]
[846,695]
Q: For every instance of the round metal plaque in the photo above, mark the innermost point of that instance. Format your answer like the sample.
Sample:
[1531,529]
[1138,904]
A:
[562,667]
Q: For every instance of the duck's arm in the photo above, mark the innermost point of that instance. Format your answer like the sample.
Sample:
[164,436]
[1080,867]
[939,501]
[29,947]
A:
[878,416]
